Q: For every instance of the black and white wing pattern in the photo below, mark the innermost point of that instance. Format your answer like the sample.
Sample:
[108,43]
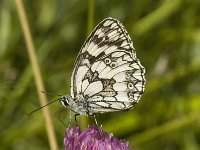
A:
[107,74]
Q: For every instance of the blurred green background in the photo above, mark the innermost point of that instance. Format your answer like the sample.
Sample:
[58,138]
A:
[166,35]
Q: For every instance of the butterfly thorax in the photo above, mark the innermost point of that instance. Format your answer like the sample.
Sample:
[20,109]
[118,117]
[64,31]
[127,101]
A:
[77,106]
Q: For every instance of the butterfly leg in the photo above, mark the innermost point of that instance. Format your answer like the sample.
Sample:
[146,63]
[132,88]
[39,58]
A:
[95,119]
[75,118]
[100,117]
[59,117]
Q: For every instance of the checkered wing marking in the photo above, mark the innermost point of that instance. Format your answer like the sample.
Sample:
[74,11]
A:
[107,73]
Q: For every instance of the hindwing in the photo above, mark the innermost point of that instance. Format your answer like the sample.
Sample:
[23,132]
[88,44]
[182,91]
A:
[107,73]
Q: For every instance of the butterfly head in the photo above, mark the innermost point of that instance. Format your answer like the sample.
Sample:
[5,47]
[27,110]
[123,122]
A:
[65,100]
[69,101]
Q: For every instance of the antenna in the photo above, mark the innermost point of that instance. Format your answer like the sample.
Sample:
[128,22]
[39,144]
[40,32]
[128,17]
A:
[42,107]
[51,93]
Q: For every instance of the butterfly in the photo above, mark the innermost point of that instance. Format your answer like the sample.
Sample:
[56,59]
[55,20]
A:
[107,76]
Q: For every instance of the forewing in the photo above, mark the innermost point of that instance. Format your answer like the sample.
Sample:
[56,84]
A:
[107,73]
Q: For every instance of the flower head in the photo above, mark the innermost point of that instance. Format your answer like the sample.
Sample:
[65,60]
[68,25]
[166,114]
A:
[92,138]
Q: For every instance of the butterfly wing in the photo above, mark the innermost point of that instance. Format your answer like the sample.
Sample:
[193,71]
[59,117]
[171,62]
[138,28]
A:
[107,73]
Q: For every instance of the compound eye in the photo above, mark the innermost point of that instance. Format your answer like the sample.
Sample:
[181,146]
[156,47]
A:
[64,102]
[113,64]
[107,61]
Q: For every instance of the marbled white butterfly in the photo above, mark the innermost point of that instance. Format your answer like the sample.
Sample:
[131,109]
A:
[107,76]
